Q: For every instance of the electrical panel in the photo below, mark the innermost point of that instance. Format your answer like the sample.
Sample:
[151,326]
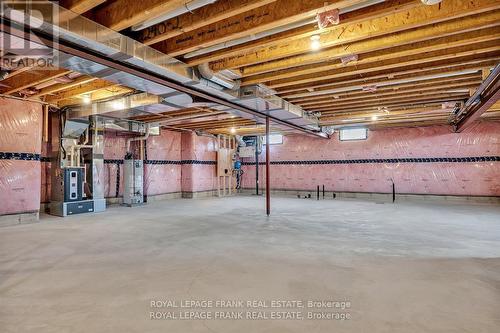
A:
[247,151]
[133,172]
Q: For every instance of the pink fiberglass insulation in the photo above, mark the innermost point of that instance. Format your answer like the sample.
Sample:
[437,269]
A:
[198,170]
[19,186]
[459,177]
[20,145]
[163,170]
[114,149]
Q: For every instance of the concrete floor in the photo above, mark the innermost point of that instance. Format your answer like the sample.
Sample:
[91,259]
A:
[405,267]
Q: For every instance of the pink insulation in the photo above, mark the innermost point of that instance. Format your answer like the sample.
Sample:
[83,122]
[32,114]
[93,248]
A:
[162,171]
[114,149]
[198,174]
[442,178]
[20,175]
[328,18]
[163,178]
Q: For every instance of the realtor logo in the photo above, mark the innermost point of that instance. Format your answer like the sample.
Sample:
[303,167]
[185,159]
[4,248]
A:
[23,23]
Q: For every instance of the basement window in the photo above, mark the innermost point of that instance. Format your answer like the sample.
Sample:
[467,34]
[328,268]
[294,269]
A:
[352,134]
[274,139]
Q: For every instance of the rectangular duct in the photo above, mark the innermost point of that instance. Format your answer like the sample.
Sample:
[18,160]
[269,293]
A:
[98,39]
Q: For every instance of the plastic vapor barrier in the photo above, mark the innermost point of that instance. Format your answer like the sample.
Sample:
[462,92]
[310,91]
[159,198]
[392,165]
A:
[425,160]
[20,148]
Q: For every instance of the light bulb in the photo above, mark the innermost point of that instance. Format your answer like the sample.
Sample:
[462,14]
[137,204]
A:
[374,117]
[233,130]
[315,43]
[86,99]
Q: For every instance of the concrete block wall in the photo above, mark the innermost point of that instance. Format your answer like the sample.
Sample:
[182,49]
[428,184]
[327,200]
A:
[425,160]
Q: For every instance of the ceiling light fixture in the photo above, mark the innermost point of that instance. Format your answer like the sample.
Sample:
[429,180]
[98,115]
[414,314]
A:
[86,99]
[233,130]
[315,43]
[117,105]
[374,117]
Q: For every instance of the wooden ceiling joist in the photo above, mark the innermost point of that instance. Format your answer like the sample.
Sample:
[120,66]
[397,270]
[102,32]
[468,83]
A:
[373,11]
[369,113]
[197,19]
[383,77]
[418,61]
[63,86]
[394,94]
[408,50]
[380,100]
[80,89]
[275,14]
[416,17]
[414,102]
[80,6]
[29,79]
[123,14]
[418,120]
[447,82]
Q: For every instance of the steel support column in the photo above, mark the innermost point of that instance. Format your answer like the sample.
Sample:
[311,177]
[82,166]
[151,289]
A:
[268,162]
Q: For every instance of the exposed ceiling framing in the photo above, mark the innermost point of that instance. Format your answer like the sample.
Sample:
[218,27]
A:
[411,64]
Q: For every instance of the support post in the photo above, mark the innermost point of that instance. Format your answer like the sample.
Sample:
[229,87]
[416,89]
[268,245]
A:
[256,165]
[268,190]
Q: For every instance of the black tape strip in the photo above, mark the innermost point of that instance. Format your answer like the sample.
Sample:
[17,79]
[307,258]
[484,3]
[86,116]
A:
[36,157]
[19,156]
[389,160]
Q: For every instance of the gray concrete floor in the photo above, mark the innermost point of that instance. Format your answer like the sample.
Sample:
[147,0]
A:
[405,267]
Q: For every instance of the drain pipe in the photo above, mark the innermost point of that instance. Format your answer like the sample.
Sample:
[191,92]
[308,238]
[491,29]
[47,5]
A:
[221,80]
[138,138]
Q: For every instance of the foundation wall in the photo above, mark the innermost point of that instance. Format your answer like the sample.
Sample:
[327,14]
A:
[20,150]
[426,160]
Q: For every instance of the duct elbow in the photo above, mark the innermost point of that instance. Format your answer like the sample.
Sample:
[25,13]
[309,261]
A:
[207,73]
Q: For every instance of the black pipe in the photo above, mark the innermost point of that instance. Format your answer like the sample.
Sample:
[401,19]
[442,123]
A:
[323,191]
[117,188]
[317,193]
[393,192]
